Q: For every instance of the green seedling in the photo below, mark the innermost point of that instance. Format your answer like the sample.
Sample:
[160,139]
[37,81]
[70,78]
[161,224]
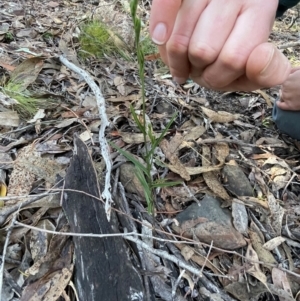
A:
[8,37]
[143,171]
[266,122]
[47,35]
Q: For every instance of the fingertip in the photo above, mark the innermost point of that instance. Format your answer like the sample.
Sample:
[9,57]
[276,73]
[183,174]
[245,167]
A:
[162,19]
[159,34]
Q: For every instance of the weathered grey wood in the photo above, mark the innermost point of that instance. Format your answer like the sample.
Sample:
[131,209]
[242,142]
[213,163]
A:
[103,270]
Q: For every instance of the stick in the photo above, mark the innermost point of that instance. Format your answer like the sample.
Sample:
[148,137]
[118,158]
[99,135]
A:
[106,194]
[10,228]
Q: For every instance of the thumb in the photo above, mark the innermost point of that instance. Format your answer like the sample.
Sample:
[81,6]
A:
[267,66]
[162,19]
[295,69]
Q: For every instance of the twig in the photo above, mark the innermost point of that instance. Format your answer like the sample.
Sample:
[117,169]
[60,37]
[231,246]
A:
[4,253]
[132,236]
[165,255]
[82,122]
[174,287]
[191,194]
[125,235]
[9,210]
[288,45]
[288,183]
[14,197]
[106,194]
[206,257]
[184,240]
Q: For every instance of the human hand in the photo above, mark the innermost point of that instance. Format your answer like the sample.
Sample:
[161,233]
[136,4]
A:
[290,92]
[220,44]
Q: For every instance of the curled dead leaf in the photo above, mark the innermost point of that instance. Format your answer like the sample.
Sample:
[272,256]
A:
[220,116]
[274,243]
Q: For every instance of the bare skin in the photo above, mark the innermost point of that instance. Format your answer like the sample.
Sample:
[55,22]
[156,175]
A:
[220,44]
[290,92]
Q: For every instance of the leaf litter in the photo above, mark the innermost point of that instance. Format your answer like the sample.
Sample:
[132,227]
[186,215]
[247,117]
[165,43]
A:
[43,104]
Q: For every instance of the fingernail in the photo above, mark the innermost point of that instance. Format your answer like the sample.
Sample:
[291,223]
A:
[179,80]
[159,34]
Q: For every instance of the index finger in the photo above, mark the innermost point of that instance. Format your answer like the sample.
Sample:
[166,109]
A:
[162,19]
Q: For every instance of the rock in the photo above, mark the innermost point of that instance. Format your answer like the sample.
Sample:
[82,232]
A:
[236,181]
[209,222]
[129,179]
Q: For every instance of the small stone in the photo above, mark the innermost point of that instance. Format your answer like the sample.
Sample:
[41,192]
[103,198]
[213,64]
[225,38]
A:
[215,224]
[130,181]
[236,181]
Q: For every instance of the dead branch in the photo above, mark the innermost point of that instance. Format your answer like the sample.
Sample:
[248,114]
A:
[106,194]
[6,211]
[11,226]
[288,45]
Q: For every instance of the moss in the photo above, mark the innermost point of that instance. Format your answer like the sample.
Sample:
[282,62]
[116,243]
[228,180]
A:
[98,40]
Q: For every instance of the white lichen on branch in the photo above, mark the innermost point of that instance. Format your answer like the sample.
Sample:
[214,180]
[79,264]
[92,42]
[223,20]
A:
[106,194]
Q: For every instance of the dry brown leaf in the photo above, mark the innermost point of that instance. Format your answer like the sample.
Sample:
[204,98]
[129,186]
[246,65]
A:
[175,166]
[261,156]
[135,138]
[277,213]
[187,252]
[220,116]
[29,166]
[175,142]
[27,72]
[274,160]
[210,178]
[266,98]
[281,281]
[263,254]
[254,269]
[180,169]
[194,133]
[190,224]
[271,141]
[133,97]
[53,286]
[201,169]
[240,217]
[252,201]
[199,259]
[256,176]
[19,233]
[274,243]
[39,240]
[213,183]
[9,119]
[221,151]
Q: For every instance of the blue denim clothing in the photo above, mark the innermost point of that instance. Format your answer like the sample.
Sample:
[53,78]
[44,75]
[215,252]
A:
[287,122]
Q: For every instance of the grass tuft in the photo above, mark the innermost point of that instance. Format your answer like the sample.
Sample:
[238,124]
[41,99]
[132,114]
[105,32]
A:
[27,105]
[96,39]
